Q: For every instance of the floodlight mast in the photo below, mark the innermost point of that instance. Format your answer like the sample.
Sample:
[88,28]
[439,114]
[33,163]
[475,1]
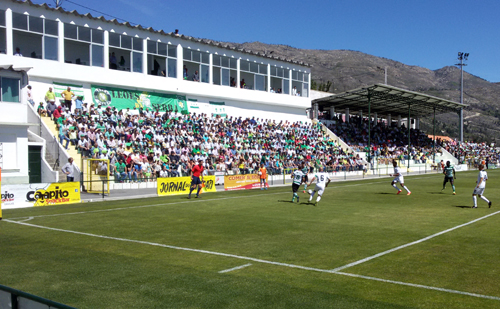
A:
[461,57]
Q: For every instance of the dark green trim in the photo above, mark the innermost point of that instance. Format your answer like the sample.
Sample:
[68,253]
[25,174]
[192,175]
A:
[68,85]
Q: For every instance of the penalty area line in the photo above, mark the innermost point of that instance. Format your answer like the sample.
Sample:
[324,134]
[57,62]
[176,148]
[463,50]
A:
[411,243]
[259,261]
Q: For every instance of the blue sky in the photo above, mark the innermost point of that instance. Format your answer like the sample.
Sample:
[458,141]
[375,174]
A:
[427,33]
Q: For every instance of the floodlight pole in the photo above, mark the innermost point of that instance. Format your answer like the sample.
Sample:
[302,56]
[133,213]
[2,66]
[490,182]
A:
[369,127]
[409,134]
[461,57]
[434,135]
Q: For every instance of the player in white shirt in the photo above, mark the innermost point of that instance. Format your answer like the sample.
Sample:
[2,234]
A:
[322,181]
[480,186]
[398,178]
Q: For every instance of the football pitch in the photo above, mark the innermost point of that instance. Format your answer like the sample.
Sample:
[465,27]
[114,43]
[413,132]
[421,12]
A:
[362,246]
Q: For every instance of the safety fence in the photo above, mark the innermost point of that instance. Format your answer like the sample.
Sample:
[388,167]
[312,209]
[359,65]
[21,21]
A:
[15,299]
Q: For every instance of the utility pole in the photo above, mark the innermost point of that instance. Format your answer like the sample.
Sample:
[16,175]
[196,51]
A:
[385,74]
[58,3]
[461,57]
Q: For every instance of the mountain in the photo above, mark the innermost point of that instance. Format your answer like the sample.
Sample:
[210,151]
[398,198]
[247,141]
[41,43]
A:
[347,69]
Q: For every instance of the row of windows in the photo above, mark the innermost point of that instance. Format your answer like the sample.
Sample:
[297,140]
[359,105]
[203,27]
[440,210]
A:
[38,38]
[83,34]
[34,24]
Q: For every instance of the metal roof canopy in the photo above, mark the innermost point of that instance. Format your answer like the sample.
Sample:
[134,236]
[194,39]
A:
[384,99]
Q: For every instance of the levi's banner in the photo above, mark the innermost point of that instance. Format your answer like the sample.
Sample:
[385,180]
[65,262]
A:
[126,98]
[242,182]
[40,194]
[181,185]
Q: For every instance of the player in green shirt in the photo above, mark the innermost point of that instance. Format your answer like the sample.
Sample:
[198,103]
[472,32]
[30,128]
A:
[298,178]
[449,175]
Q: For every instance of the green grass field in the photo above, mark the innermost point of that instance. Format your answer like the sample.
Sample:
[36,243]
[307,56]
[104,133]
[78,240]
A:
[178,253]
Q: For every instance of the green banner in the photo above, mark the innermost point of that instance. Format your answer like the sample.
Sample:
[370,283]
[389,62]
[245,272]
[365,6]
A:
[124,98]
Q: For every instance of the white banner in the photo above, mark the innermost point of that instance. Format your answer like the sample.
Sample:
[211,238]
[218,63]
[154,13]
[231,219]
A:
[39,194]
[219,178]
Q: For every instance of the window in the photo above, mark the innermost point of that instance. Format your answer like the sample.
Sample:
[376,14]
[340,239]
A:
[83,45]
[128,51]
[2,18]
[34,36]
[300,83]
[224,70]
[254,75]
[162,59]
[50,48]
[3,35]
[196,61]
[97,56]
[10,89]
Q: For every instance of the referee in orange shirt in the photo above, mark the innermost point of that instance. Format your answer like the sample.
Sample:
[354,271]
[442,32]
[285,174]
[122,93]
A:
[196,173]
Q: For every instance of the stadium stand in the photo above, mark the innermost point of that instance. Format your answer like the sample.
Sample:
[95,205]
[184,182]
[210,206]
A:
[153,144]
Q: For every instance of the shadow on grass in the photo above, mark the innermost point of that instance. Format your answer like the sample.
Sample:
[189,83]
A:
[386,193]
[459,206]
[285,201]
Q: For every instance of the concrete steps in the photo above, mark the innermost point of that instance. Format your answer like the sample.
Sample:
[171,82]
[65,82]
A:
[77,158]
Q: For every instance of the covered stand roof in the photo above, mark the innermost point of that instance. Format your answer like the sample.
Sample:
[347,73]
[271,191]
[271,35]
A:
[386,99]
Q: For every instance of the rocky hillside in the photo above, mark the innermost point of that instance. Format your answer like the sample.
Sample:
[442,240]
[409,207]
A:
[346,69]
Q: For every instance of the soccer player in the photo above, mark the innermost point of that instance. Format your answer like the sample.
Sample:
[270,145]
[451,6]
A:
[196,172]
[398,178]
[479,189]
[305,170]
[263,176]
[449,175]
[298,179]
[322,181]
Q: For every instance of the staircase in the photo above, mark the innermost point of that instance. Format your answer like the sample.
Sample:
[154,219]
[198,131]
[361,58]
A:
[333,137]
[72,152]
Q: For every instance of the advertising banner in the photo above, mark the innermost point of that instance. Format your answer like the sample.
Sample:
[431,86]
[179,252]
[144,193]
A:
[181,185]
[125,98]
[40,194]
[218,108]
[242,182]
[60,87]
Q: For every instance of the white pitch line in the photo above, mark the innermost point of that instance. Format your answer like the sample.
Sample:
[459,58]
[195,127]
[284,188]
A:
[418,286]
[411,243]
[234,268]
[259,261]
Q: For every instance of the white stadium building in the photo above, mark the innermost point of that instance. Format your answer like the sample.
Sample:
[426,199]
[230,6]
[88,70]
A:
[125,66]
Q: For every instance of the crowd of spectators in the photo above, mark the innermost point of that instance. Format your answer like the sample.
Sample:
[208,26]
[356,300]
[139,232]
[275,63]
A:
[473,153]
[387,142]
[144,144]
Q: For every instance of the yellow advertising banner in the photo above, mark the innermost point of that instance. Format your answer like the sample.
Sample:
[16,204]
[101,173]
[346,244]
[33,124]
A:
[242,182]
[57,193]
[181,185]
